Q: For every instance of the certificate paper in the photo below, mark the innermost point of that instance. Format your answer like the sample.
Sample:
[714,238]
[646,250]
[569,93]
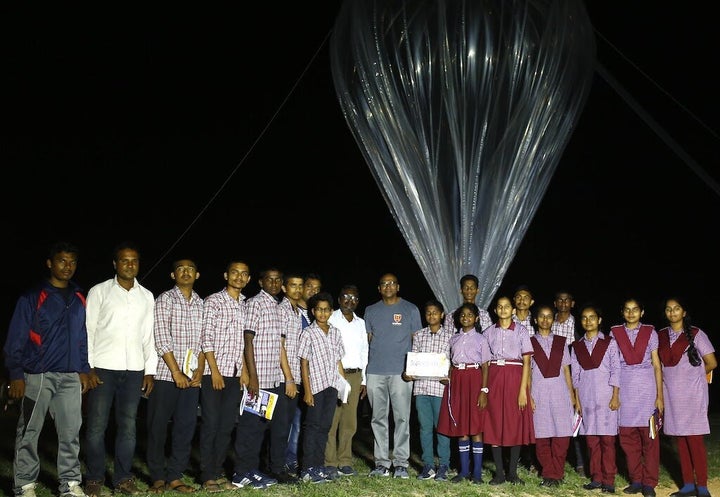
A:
[427,365]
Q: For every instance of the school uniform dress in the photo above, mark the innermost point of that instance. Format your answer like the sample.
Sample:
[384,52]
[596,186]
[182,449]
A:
[460,414]
[506,425]
[638,394]
[685,392]
[554,412]
[595,371]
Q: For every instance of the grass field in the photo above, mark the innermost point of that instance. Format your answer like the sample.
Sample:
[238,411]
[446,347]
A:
[361,485]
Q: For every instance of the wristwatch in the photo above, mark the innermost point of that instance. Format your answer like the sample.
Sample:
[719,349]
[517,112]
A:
[484,389]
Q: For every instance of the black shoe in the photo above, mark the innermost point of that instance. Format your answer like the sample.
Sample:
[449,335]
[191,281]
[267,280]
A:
[497,481]
[691,493]
[608,489]
[648,491]
[633,488]
[593,485]
[459,478]
[549,482]
[477,481]
[515,480]
[285,478]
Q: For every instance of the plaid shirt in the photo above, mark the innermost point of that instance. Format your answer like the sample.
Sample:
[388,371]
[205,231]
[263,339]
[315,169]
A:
[323,353]
[292,338]
[222,332]
[425,340]
[268,322]
[527,323]
[176,327]
[566,329]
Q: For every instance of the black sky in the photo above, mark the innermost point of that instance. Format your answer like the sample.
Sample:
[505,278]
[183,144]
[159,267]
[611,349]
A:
[216,133]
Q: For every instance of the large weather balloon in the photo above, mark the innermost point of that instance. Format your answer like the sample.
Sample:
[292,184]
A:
[462,109]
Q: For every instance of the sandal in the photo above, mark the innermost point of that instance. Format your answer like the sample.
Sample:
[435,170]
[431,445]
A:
[180,487]
[158,487]
[225,484]
[211,487]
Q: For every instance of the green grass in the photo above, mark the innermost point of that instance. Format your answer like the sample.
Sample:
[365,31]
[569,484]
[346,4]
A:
[361,485]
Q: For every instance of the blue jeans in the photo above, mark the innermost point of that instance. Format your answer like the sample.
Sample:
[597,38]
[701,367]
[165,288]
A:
[122,388]
[428,411]
[291,454]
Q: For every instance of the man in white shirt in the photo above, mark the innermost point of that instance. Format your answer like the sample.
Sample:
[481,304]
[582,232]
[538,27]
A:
[123,361]
[338,450]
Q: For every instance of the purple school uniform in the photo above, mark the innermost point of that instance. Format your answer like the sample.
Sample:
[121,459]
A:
[685,391]
[506,425]
[553,415]
[595,388]
[638,391]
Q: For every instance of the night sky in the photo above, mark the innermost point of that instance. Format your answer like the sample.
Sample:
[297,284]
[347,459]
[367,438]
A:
[217,133]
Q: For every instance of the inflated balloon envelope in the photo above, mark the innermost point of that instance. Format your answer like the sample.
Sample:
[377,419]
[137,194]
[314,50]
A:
[462,110]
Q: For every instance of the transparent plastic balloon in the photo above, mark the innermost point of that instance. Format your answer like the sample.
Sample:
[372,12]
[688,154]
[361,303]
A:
[462,110]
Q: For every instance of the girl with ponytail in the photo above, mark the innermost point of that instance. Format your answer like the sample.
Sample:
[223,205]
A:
[687,356]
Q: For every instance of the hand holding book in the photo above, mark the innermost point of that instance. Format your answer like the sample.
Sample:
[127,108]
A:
[655,423]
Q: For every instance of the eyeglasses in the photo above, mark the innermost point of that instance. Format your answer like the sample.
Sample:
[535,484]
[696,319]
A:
[347,296]
[185,269]
[388,283]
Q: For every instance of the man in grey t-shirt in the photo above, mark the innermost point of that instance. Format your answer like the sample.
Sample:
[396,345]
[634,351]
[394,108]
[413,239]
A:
[390,324]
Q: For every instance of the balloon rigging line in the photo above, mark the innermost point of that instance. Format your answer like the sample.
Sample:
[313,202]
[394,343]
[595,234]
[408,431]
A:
[658,86]
[237,167]
[669,141]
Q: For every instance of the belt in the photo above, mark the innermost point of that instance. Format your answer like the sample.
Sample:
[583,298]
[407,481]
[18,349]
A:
[467,365]
[352,370]
[507,362]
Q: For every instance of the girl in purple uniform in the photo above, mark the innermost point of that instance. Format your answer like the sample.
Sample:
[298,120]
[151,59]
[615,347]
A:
[595,370]
[509,421]
[687,357]
[553,397]
[463,410]
[641,395]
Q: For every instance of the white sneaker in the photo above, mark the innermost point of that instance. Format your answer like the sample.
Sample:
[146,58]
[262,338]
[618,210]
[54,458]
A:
[28,490]
[74,490]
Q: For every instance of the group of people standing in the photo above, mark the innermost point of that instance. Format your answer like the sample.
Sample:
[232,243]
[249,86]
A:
[525,381]
[515,381]
[88,359]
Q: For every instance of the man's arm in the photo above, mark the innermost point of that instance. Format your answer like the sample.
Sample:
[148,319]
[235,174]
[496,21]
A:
[249,354]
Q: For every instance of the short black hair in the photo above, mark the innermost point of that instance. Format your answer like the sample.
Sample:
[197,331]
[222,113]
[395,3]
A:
[434,303]
[63,246]
[125,245]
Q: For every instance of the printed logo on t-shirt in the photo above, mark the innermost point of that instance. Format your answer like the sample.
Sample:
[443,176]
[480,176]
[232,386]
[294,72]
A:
[397,319]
